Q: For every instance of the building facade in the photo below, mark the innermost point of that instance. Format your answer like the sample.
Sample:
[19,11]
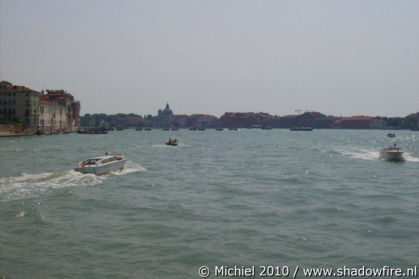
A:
[19,104]
[53,112]
[59,112]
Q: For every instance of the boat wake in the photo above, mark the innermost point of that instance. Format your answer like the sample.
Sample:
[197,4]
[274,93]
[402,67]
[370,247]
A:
[363,154]
[130,167]
[409,158]
[168,146]
[373,155]
[27,185]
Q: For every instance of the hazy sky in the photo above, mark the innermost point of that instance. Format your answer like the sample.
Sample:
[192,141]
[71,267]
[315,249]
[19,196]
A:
[213,56]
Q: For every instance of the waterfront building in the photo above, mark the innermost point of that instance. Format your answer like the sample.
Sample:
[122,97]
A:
[164,117]
[54,112]
[19,104]
[353,122]
[59,112]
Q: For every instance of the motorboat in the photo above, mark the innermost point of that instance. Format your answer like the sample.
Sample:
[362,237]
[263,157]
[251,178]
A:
[174,142]
[102,164]
[391,135]
[392,153]
[301,129]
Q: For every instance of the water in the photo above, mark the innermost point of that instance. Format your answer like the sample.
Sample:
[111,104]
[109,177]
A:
[247,197]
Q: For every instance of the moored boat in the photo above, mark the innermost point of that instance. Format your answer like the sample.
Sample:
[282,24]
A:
[301,129]
[102,164]
[391,135]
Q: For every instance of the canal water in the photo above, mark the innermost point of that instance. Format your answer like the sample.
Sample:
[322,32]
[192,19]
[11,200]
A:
[247,198]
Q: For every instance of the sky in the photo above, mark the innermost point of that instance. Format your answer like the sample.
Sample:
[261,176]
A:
[340,58]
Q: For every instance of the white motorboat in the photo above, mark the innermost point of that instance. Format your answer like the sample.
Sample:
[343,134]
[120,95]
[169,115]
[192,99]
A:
[392,153]
[102,164]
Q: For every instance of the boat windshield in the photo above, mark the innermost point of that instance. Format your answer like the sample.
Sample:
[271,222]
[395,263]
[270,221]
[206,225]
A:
[90,161]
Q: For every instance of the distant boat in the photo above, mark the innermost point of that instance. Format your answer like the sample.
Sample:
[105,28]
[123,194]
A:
[174,129]
[102,164]
[301,129]
[147,129]
[232,129]
[192,129]
[201,129]
[392,153]
[172,142]
[219,129]
[138,129]
[92,132]
[166,129]
[391,135]
[119,128]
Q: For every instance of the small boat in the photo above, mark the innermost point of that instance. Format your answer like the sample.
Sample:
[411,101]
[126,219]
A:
[102,164]
[139,129]
[391,135]
[219,129]
[232,129]
[174,129]
[148,129]
[172,142]
[201,129]
[392,153]
[301,129]
[192,129]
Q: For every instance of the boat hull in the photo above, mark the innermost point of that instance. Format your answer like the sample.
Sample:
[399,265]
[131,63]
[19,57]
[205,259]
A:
[393,156]
[301,129]
[114,166]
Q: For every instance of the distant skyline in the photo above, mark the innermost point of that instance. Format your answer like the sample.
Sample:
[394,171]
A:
[336,57]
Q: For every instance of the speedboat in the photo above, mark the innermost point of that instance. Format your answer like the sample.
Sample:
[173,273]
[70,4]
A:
[392,153]
[172,142]
[102,164]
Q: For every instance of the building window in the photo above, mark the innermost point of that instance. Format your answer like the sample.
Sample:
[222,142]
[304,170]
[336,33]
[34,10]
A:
[14,102]
[14,94]
[14,112]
